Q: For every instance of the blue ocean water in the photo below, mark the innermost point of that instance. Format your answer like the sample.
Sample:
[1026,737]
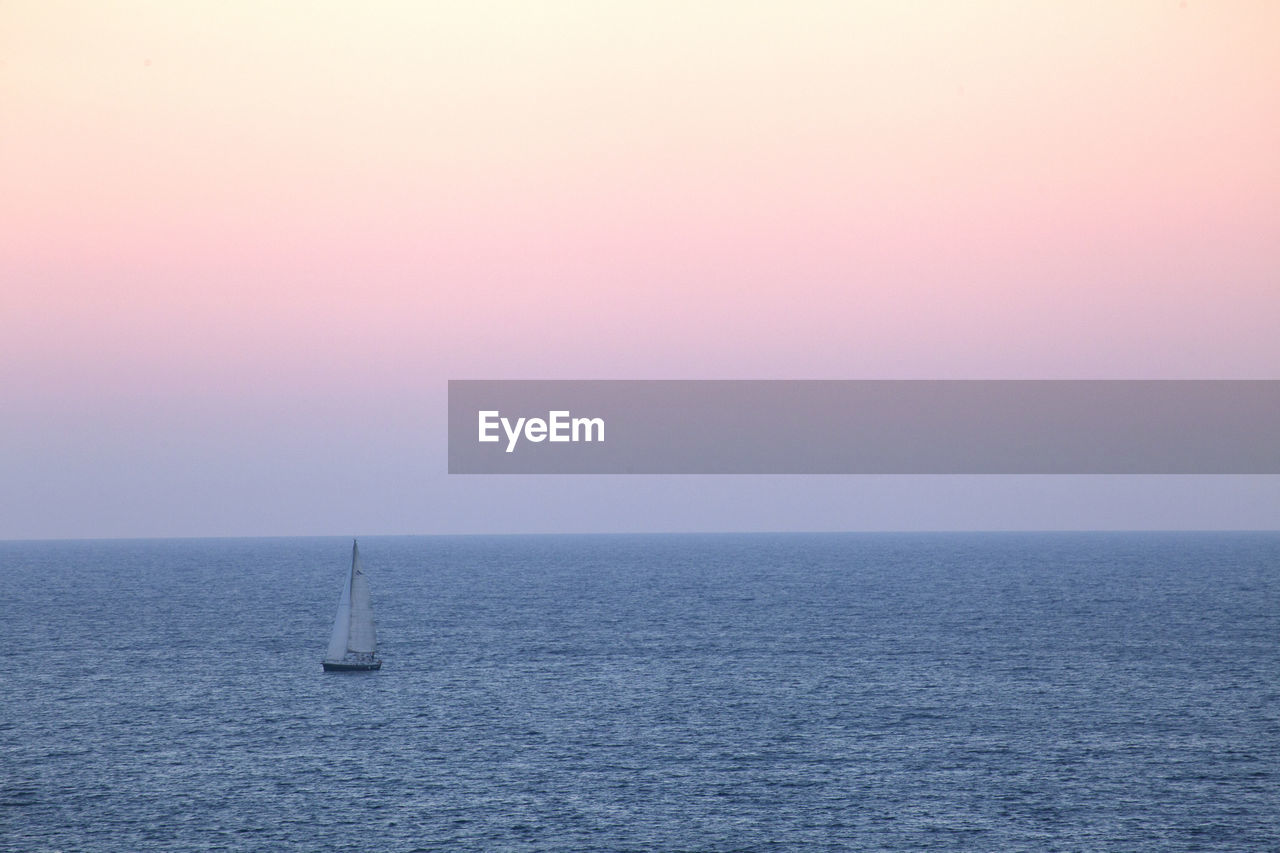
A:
[616,693]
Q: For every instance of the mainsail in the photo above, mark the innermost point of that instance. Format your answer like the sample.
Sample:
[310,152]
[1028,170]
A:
[354,641]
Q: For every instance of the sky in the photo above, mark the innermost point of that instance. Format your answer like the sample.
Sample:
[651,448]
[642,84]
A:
[244,245]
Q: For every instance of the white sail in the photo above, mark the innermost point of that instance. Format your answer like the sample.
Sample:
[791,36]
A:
[361,637]
[341,625]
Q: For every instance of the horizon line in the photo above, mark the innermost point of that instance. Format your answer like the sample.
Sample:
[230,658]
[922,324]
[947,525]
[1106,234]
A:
[475,534]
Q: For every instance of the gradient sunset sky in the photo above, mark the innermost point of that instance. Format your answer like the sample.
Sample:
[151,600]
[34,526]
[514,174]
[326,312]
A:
[243,245]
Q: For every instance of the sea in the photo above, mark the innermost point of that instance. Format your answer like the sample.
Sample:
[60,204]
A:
[737,692]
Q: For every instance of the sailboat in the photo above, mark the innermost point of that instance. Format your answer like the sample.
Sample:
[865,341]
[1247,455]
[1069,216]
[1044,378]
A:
[353,646]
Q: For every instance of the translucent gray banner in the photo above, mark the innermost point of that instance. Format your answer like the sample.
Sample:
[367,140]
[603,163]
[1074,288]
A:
[864,427]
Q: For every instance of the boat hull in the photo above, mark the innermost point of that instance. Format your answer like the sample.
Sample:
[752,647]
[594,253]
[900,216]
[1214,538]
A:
[350,666]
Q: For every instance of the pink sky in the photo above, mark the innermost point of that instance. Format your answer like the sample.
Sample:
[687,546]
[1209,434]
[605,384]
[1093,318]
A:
[235,230]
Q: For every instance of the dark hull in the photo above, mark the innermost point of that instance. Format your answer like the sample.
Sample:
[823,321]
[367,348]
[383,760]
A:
[330,666]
